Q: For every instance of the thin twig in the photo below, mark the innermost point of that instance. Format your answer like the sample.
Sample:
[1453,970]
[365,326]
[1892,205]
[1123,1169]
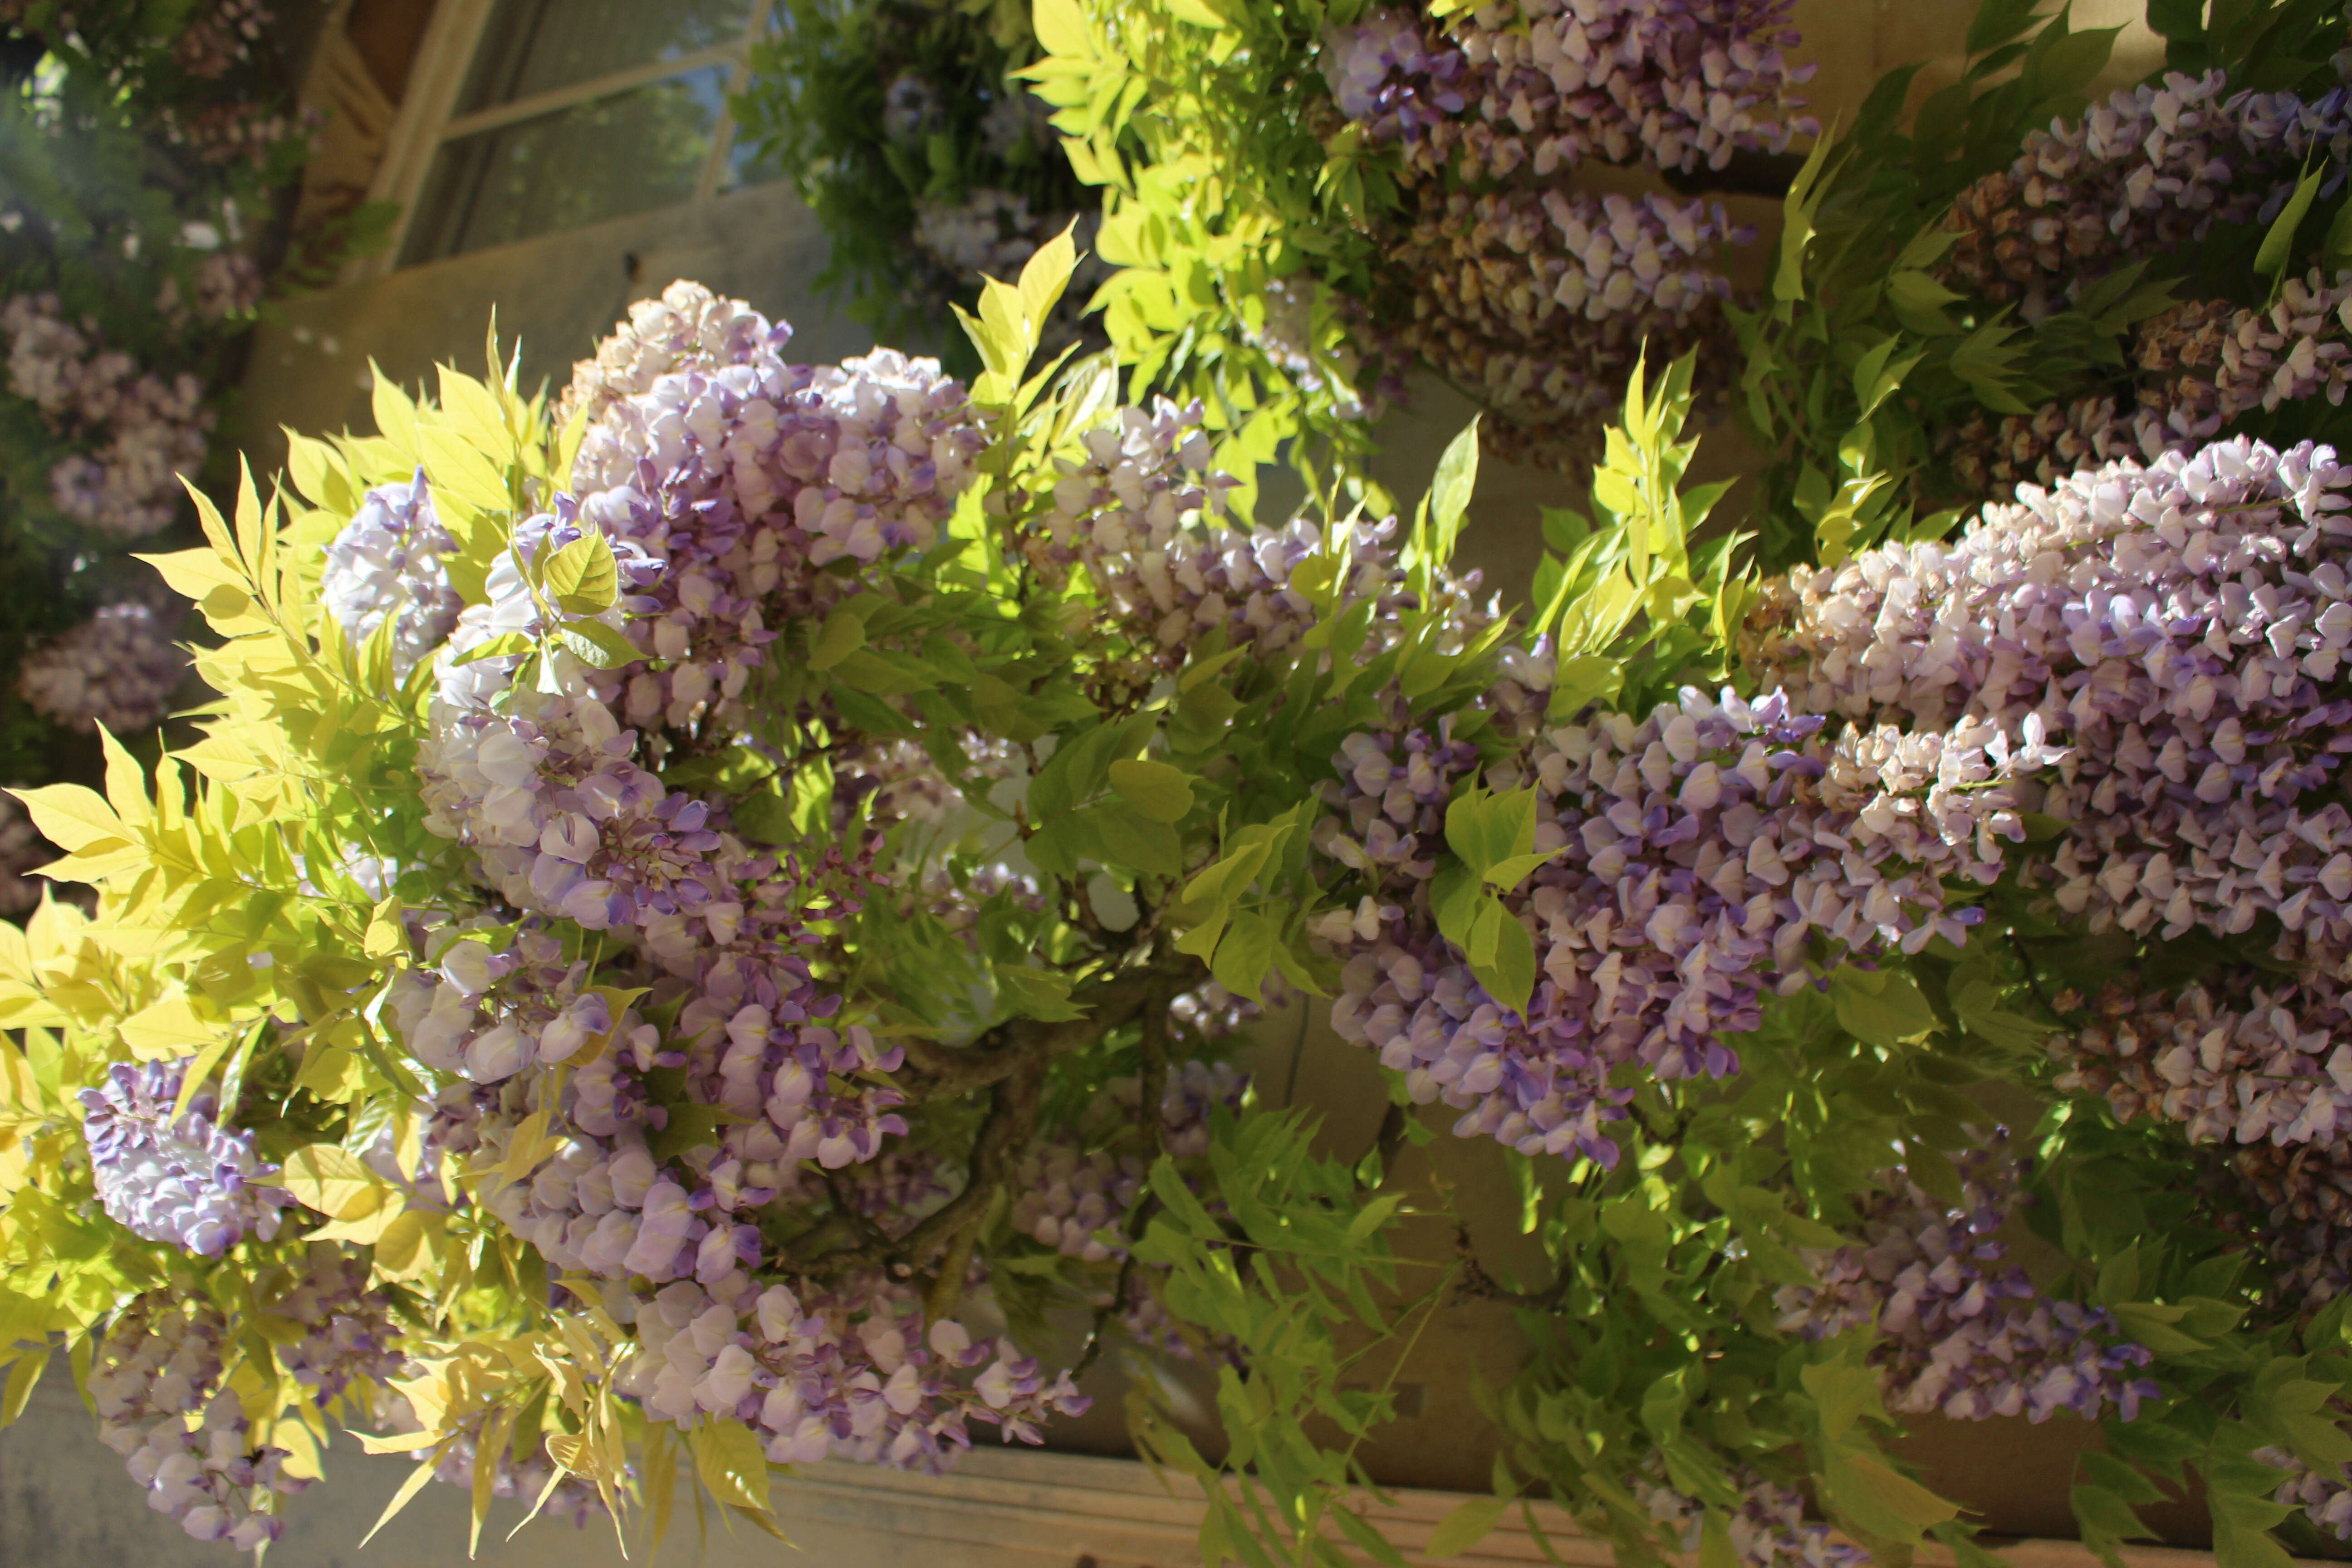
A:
[1481,1286]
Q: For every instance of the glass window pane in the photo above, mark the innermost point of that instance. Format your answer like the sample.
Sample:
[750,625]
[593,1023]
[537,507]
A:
[536,45]
[630,152]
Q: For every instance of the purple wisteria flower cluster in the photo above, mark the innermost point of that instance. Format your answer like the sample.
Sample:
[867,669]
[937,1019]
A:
[1142,512]
[1957,1335]
[194,1182]
[141,432]
[118,668]
[2290,1205]
[1531,298]
[1538,302]
[2181,630]
[736,491]
[386,566]
[2151,170]
[157,1380]
[1768,1529]
[2325,1500]
[350,1342]
[686,326]
[1075,1188]
[1548,84]
[750,477]
[2196,367]
[222,37]
[2242,1057]
[1703,856]
[850,1373]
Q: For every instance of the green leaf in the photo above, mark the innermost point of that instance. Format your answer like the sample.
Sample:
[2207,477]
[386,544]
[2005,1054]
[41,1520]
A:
[1047,273]
[689,1127]
[1450,492]
[22,1377]
[1998,21]
[2339,236]
[1877,1496]
[2072,63]
[1245,954]
[1158,789]
[506,644]
[582,577]
[1509,973]
[420,1473]
[1486,829]
[1035,993]
[1714,1547]
[844,634]
[1470,1522]
[1508,873]
[1882,1007]
[727,1458]
[1581,679]
[1079,766]
[884,674]
[1453,897]
[1135,839]
[595,645]
[2278,244]
[2152,1326]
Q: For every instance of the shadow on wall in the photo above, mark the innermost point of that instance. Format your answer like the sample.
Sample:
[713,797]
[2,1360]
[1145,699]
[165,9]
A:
[556,295]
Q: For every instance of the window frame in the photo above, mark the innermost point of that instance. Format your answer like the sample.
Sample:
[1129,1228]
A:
[428,119]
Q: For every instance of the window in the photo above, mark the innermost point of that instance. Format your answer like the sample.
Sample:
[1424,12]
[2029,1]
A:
[544,115]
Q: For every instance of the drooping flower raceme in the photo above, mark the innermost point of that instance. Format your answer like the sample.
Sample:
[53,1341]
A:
[735,490]
[2181,630]
[139,432]
[194,1181]
[386,566]
[851,1374]
[2242,1057]
[1535,300]
[2198,366]
[1958,1335]
[1767,1531]
[1070,1193]
[160,1368]
[118,668]
[687,326]
[749,476]
[1539,301]
[2149,171]
[186,1438]
[1700,856]
[2291,1205]
[2325,1500]
[1546,85]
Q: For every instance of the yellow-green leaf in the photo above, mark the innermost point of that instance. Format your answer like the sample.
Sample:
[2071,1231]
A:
[167,1029]
[332,1181]
[75,818]
[1158,789]
[1470,1522]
